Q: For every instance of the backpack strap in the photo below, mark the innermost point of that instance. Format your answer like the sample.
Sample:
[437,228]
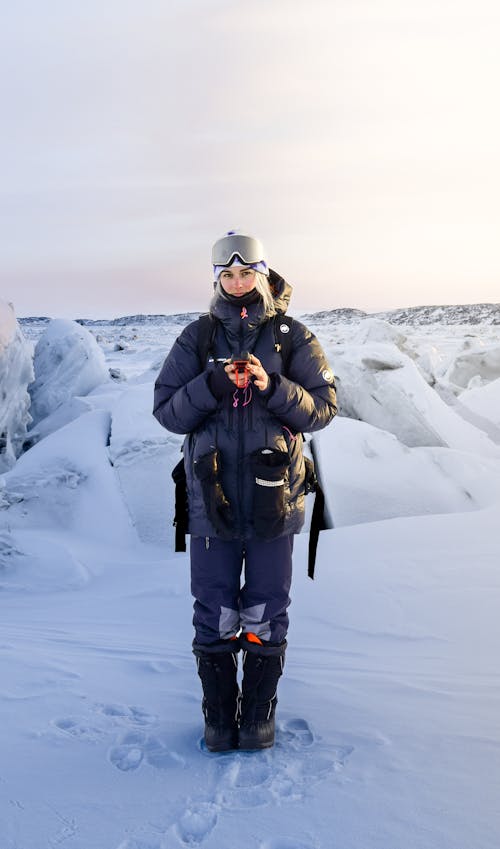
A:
[206,336]
[317,524]
[207,327]
[283,325]
[283,343]
[181,506]
[282,328]
[318,518]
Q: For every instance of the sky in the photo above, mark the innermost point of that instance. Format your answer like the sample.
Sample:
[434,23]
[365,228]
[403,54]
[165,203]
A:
[358,139]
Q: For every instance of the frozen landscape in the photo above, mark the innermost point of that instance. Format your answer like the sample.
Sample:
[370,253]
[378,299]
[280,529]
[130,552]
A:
[388,717]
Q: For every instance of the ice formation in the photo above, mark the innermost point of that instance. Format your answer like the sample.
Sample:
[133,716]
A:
[482,363]
[379,384]
[484,400]
[16,372]
[68,363]
[375,477]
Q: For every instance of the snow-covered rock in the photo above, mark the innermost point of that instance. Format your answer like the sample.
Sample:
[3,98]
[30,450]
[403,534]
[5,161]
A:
[116,374]
[68,363]
[376,330]
[121,345]
[380,385]
[16,372]
[468,366]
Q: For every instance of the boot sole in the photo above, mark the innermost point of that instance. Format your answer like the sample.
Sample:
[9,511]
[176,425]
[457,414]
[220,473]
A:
[253,747]
[227,748]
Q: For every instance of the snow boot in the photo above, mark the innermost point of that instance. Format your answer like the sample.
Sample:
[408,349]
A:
[217,671]
[262,668]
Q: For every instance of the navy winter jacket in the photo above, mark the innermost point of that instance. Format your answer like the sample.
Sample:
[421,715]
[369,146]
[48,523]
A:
[302,400]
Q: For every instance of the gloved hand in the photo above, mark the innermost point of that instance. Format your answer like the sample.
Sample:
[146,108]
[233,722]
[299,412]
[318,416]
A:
[219,383]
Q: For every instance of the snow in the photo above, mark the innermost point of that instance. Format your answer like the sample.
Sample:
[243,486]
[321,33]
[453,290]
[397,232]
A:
[484,400]
[67,483]
[144,454]
[16,372]
[381,385]
[375,476]
[388,733]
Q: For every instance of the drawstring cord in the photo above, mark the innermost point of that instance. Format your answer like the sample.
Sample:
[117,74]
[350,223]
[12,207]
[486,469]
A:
[247,389]
[247,395]
[293,436]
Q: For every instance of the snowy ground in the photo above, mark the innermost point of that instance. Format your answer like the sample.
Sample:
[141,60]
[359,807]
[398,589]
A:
[388,731]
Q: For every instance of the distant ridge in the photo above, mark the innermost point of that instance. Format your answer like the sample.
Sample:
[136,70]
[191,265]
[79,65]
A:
[453,314]
[432,314]
[450,314]
[176,318]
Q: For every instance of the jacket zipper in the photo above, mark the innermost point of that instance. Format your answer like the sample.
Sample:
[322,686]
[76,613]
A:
[240,413]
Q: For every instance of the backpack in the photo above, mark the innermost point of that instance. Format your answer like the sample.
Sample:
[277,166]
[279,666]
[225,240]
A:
[207,327]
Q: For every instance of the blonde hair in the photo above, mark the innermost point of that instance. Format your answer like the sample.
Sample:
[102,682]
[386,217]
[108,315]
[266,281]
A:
[262,287]
[264,290]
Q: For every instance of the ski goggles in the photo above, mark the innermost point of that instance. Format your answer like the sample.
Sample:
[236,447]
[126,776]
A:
[248,249]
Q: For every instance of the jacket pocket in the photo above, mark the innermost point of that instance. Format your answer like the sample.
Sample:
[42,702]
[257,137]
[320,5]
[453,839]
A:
[270,469]
[217,507]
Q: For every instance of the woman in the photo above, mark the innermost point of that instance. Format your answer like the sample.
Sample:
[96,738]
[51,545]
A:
[243,412]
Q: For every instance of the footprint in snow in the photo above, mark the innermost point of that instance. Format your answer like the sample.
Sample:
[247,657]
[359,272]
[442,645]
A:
[126,758]
[139,843]
[159,755]
[283,773]
[100,718]
[136,746]
[196,823]
[115,710]
[284,843]
[245,782]
[78,729]
[295,733]
[240,780]
[134,714]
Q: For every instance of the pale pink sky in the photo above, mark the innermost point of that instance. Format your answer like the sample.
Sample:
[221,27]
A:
[358,139]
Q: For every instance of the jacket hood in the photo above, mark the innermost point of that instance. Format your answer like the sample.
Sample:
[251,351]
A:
[282,291]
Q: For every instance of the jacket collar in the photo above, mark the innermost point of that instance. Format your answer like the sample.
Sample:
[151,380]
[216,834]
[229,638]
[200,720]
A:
[232,314]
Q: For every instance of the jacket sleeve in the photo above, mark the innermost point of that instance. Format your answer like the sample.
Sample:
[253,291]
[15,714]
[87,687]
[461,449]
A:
[305,399]
[182,398]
